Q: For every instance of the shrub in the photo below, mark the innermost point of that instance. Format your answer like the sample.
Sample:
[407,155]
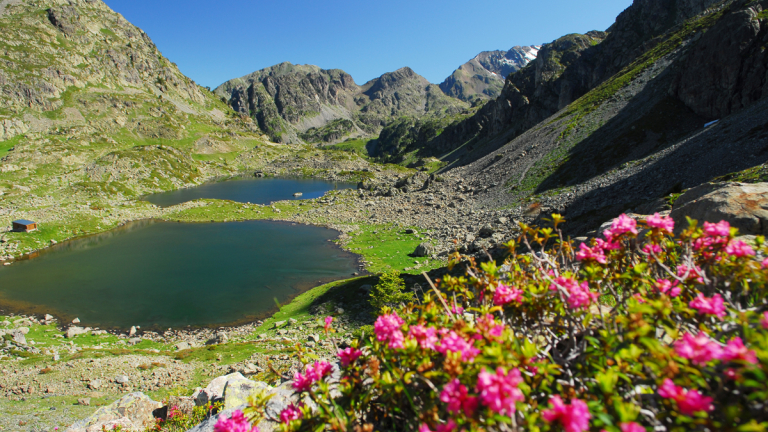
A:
[389,292]
[630,332]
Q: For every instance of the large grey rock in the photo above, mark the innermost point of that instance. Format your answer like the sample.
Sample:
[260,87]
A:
[74,331]
[744,206]
[207,425]
[135,407]
[423,250]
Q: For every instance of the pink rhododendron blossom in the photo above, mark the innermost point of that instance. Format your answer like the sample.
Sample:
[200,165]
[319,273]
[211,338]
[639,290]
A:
[349,355]
[739,249]
[735,350]
[457,309]
[424,428]
[662,223]
[387,328]
[594,253]
[452,342]
[621,225]
[638,297]
[720,229]
[499,391]
[607,245]
[455,395]
[631,427]
[666,287]
[652,249]
[688,401]
[505,295]
[765,263]
[290,413]
[426,337]
[700,349]
[328,321]
[450,426]
[574,417]
[312,374]
[489,326]
[709,306]
[236,423]
[731,373]
[690,274]
[579,296]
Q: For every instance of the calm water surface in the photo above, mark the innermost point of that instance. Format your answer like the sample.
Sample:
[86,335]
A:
[165,274]
[253,190]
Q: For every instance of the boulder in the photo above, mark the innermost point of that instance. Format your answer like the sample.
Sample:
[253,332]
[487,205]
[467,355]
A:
[74,331]
[239,388]
[181,346]
[219,338]
[18,337]
[423,250]
[135,407]
[744,206]
[486,231]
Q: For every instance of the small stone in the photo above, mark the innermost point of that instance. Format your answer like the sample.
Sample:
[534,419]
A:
[76,321]
[84,401]
[132,332]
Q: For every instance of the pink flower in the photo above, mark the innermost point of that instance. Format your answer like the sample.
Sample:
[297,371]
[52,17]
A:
[328,321]
[638,297]
[607,245]
[290,413]
[735,350]
[764,320]
[689,274]
[739,249]
[454,394]
[720,229]
[489,326]
[689,401]
[700,350]
[236,423]
[505,295]
[579,296]
[450,426]
[349,355]
[709,306]
[312,374]
[574,417]
[652,249]
[595,253]
[425,336]
[500,391]
[458,310]
[424,428]
[452,342]
[387,328]
[666,287]
[765,263]
[731,373]
[631,427]
[621,225]
[662,223]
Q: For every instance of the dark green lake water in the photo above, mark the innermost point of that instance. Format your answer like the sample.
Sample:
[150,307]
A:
[252,190]
[165,274]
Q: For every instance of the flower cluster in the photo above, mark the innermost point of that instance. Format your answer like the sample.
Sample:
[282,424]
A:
[236,423]
[638,330]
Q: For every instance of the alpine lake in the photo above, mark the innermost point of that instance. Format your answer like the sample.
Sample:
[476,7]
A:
[160,275]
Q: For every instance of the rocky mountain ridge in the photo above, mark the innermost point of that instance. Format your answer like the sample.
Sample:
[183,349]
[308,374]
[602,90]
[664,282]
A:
[483,77]
[294,103]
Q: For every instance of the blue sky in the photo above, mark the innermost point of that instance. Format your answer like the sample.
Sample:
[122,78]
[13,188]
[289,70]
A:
[213,41]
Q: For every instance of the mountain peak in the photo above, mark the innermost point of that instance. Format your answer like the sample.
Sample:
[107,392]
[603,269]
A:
[483,76]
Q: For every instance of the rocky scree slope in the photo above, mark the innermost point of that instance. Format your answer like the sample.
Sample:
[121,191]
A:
[295,103]
[483,77]
[640,135]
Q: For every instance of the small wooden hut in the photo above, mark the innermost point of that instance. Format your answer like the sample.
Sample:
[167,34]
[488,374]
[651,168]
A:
[23,225]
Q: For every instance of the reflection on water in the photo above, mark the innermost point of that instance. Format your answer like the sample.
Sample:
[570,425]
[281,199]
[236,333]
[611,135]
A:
[164,274]
[252,190]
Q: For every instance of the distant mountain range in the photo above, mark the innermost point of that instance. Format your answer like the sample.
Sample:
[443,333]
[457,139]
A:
[294,103]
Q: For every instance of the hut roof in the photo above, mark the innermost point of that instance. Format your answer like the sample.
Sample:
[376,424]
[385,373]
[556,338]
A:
[24,222]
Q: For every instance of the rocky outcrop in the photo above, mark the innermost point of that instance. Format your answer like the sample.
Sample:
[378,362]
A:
[744,206]
[133,412]
[289,101]
[10,128]
[725,70]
